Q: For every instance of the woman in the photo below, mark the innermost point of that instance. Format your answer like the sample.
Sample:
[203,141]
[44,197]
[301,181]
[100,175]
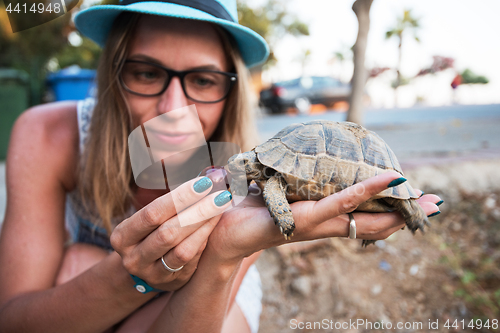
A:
[112,283]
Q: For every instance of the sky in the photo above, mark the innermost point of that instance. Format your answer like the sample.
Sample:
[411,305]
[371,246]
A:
[465,30]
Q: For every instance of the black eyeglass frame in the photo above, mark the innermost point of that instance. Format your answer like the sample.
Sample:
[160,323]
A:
[180,74]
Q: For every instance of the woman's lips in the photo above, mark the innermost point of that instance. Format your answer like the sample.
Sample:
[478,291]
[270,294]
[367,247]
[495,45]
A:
[172,138]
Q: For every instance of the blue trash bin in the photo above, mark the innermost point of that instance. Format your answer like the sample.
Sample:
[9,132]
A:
[72,83]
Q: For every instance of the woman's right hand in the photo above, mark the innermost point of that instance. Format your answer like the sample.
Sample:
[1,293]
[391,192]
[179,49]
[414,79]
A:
[249,228]
[155,231]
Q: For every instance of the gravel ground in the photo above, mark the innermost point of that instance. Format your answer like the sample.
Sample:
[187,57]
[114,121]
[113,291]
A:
[449,273]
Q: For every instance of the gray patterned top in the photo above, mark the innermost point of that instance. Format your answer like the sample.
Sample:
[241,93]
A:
[84,225]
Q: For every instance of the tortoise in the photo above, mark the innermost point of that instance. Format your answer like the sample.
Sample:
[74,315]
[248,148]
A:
[309,161]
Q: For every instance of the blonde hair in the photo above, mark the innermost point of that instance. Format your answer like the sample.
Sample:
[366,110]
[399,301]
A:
[106,182]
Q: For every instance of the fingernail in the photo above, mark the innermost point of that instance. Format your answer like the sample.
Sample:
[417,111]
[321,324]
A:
[397,182]
[434,214]
[223,198]
[439,203]
[422,194]
[202,185]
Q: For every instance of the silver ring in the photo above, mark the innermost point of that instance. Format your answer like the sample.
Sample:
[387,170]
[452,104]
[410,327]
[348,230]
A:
[172,270]
[352,227]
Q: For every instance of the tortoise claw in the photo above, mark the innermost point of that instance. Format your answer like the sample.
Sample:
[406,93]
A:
[365,242]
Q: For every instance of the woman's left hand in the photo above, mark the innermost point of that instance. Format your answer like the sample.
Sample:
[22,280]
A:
[249,228]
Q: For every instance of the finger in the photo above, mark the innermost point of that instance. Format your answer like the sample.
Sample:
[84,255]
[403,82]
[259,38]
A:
[171,233]
[386,233]
[158,277]
[396,220]
[367,226]
[377,226]
[430,198]
[187,271]
[430,208]
[190,247]
[380,227]
[350,198]
[142,223]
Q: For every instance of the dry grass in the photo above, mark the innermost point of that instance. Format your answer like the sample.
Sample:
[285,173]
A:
[451,272]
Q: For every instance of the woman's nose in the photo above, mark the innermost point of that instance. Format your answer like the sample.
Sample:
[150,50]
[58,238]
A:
[173,98]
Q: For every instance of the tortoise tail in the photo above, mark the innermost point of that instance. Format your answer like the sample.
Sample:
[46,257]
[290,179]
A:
[413,214]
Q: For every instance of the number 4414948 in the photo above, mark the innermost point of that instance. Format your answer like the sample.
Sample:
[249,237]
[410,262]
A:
[35,8]
[472,324]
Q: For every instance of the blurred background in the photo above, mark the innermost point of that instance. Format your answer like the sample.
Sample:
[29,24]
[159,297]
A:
[424,75]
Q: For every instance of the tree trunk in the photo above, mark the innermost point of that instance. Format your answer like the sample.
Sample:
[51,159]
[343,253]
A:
[362,10]
[398,70]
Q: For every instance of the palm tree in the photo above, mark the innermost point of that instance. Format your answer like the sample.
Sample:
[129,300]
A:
[304,58]
[407,21]
[341,57]
[362,10]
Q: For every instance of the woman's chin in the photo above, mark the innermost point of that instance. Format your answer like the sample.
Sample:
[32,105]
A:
[185,165]
[177,160]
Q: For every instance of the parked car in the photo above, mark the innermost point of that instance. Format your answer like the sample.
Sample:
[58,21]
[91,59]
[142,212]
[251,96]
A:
[304,91]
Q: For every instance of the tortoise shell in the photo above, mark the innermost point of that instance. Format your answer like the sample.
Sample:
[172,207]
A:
[321,157]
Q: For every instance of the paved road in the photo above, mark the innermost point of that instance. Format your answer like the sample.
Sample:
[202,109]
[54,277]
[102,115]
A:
[418,132]
[417,135]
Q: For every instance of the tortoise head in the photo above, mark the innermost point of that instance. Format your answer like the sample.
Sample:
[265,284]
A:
[244,165]
[243,168]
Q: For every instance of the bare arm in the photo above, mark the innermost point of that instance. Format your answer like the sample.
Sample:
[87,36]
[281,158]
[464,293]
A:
[202,304]
[31,244]
[40,164]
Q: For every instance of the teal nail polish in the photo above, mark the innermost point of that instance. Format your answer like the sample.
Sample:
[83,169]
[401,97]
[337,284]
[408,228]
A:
[422,194]
[397,182]
[434,214]
[202,185]
[439,203]
[223,198]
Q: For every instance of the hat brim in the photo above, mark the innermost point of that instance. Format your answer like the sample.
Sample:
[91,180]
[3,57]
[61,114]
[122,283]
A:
[96,22]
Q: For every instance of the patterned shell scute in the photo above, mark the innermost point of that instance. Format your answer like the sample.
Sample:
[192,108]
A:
[377,153]
[309,140]
[330,152]
[342,142]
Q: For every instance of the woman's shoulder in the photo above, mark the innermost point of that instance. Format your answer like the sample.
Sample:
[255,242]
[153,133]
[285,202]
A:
[56,113]
[48,134]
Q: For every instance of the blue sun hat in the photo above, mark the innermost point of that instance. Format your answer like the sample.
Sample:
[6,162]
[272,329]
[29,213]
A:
[95,22]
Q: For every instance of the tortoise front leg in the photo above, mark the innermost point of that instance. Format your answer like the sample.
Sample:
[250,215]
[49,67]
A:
[278,206]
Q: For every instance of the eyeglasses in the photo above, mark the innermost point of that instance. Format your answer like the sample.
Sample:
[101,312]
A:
[200,85]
